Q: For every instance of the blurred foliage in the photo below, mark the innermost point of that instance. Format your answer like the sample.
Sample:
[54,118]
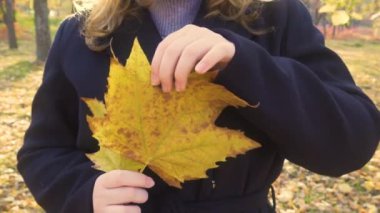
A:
[16,71]
[343,12]
[58,8]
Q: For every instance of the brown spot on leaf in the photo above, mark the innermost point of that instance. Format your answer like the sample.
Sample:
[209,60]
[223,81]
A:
[167,97]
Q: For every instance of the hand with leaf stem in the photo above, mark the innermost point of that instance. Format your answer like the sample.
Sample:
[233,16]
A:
[120,191]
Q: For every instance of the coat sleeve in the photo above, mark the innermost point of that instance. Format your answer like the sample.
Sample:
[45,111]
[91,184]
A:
[310,108]
[59,175]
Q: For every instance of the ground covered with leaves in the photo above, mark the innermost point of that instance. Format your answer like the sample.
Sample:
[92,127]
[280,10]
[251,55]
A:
[297,190]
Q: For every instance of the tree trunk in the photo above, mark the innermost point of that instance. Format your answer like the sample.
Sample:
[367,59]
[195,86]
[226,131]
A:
[318,16]
[9,19]
[334,32]
[324,27]
[41,21]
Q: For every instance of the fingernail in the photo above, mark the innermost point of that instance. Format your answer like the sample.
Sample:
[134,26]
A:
[155,81]
[178,87]
[166,89]
[200,68]
[149,182]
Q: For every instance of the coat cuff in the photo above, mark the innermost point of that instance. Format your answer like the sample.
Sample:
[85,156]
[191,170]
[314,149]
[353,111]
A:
[235,76]
[81,201]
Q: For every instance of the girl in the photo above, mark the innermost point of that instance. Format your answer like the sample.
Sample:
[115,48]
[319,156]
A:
[311,112]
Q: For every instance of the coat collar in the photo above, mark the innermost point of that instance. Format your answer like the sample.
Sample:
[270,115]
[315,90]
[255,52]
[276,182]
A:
[146,32]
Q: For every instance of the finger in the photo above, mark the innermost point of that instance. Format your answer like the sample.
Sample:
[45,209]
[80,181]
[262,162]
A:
[169,61]
[125,195]
[187,61]
[157,58]
[221,53]
[122,209]
[120,178]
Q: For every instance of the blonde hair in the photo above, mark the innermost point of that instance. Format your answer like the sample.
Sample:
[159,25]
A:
[106,15]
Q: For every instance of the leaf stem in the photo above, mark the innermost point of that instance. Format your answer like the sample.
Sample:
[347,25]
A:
[142,169]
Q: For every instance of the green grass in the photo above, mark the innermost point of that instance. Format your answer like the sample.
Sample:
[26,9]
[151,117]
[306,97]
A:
[363,60]
[16,64]
[309,198]
[26,22]
[16,71]
[358,186]
[362,56]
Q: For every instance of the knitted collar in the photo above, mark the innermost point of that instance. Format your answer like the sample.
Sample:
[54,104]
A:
[171,15]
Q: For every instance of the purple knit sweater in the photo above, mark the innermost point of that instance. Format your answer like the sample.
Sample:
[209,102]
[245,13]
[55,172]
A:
[172,15]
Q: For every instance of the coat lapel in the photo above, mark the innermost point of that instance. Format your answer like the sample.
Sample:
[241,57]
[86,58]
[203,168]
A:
[122,39]
[148,36]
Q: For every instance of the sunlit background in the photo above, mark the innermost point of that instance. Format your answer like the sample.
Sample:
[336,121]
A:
[352,28]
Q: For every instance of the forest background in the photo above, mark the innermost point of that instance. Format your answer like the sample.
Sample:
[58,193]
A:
[352,29]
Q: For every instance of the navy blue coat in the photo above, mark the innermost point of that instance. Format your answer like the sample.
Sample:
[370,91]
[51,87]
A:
[311,113]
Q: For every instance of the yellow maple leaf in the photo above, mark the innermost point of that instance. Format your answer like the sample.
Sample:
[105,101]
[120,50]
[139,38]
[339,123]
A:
[171,133]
